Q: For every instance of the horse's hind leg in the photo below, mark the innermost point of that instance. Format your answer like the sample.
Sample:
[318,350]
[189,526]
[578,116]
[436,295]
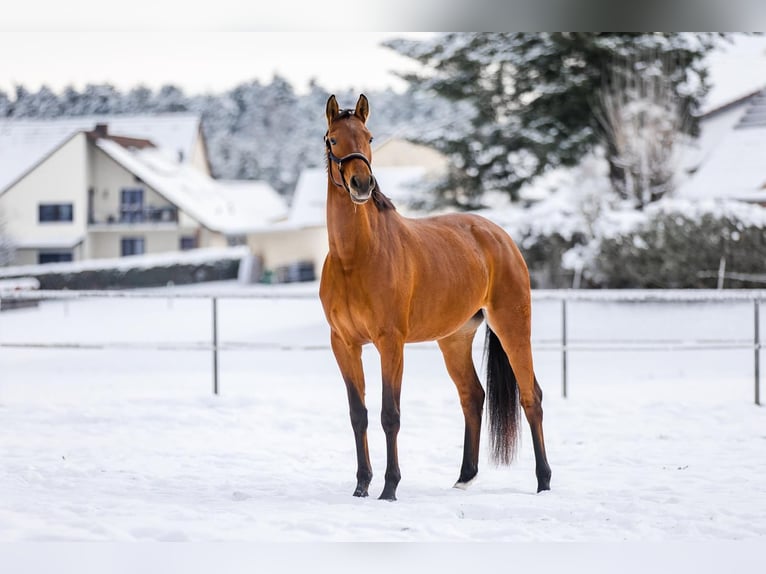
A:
[457,351]
[512,326]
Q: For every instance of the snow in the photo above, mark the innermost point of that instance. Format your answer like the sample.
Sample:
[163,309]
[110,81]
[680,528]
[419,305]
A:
[24,143]
[126,445]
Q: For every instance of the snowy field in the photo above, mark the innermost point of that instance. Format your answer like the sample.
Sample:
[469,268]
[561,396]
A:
[124,445]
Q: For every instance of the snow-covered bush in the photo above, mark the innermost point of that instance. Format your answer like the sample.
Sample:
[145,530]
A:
[158,270]
[674,244]
[573,200]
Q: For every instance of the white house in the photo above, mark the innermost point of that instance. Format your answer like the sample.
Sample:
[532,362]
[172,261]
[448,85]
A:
[109,186]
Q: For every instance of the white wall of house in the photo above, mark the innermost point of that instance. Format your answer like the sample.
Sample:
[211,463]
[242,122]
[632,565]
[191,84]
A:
[25,257]
[61,178]
[199,155]
[399,152]
[108,179]
[283,247]
[208,238]
[108,244]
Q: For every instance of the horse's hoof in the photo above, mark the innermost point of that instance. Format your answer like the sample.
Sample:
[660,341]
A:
[360,493]
[385,495]
[544,480]
[464,484]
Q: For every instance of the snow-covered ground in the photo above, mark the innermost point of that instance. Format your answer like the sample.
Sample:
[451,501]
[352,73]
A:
[131,445]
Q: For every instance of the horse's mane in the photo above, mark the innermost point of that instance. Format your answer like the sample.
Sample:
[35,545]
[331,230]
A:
[381,201]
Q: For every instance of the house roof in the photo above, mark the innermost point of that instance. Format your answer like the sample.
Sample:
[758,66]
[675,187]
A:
[226,207]
[309,205]
[735,169]
[26,143]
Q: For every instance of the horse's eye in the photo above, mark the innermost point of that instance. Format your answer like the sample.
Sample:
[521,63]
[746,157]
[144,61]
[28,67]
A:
[371,138]
[333,141]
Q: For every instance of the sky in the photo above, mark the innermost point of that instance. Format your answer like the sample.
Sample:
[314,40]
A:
[737,69]
[198,62]
[216,57]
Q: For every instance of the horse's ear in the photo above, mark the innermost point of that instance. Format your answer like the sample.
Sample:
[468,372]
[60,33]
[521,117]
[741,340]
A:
[332,109]
[362,107]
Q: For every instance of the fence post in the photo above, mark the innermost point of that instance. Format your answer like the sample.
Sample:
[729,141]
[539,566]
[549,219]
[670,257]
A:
[757,345]
[564,348]
[215,345]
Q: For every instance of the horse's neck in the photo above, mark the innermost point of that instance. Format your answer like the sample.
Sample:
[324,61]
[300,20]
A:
[353,230]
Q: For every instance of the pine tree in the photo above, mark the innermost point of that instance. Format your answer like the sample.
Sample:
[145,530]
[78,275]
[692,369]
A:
[529,99]
[5,105]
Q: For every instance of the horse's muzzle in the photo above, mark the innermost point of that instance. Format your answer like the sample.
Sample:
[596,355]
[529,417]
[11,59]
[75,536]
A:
[360,189]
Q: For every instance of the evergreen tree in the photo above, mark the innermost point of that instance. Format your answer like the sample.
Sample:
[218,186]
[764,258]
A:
[529,99]
[6,107]
[100,99]
[170,99]
[138,101]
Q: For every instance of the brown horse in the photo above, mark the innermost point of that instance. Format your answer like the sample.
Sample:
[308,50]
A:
[389,280]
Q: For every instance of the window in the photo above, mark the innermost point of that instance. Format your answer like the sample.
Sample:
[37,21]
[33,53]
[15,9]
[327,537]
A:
[49,212]
[188,242]
[132,246]
[54,256]
[132,205]
[235,240]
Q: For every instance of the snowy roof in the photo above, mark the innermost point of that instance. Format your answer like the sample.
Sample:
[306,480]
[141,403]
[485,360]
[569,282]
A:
[230,208]
[270,204]
[310,197]
[735,169]
[728,157]
[25,143]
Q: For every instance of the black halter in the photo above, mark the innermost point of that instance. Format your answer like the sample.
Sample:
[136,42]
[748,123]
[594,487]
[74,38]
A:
[332,158]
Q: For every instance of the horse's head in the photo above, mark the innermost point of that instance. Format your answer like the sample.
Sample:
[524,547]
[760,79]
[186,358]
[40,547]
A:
[348,149]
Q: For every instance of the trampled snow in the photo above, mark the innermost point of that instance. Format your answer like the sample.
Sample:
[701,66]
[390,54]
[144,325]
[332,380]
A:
[130,444]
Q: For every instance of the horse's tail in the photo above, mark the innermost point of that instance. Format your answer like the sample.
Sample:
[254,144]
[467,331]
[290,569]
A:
[502,400]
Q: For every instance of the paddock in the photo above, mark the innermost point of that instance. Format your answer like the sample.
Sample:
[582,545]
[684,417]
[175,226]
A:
[113,433]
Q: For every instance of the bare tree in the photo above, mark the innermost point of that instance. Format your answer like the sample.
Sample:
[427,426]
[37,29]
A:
[7,249]
[644,122]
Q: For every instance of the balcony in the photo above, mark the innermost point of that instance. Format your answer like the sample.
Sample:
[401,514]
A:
[133,215]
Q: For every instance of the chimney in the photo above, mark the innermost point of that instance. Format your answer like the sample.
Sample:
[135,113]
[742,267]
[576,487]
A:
[101,130]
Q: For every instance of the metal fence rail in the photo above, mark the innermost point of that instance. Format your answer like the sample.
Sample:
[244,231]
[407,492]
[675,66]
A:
[563,344]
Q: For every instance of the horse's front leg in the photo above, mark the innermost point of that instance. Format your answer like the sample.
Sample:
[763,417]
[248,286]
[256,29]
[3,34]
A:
[392,365]
[349,359]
